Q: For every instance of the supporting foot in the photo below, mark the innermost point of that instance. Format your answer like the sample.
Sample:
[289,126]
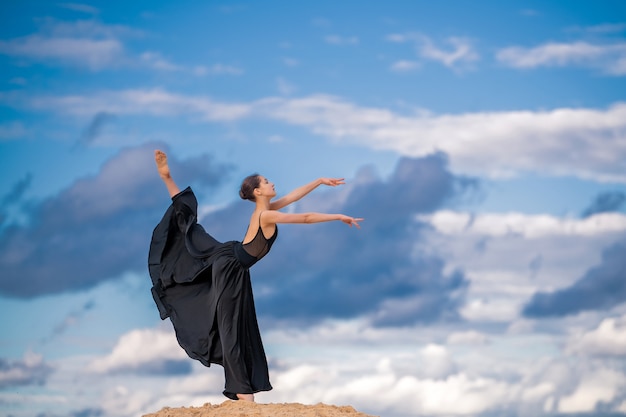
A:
[246,397]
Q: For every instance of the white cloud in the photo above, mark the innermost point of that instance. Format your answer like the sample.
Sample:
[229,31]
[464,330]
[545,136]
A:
[506,258]
[137,348]
[549,54]
[378,389]
[132,394]
[302,383]
[16,399]
[12,130]
[483,382]
[462,51]
[436,362]
[469,337]
[155,102]
[120,400]
[155,60]
[501,308]
[608,339]
[91,44]
[393,374]
[564,141]
[84,43]
[30,370]
[132,399]
[526,225]
[80,8]
[405,66]
[299,376]
[87,29]
[603,28]
[599,386]
[609,58]
[351,332]
[456,52]
[458,394]
[517,375]
[93,53]
[588,143]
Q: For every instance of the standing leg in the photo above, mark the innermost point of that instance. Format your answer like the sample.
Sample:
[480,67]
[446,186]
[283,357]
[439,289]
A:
[231,336]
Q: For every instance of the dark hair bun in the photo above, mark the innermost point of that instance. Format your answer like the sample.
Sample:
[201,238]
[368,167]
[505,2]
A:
[248,185]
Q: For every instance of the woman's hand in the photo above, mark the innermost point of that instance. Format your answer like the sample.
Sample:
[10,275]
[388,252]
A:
[332,182]
[351,221]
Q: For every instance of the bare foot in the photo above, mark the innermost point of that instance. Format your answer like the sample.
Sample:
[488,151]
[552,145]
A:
[246,397]
[161,161]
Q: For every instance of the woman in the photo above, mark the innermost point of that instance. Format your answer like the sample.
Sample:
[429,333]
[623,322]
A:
[203,285]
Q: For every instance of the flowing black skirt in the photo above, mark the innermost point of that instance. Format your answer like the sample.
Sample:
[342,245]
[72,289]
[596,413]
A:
[204,287]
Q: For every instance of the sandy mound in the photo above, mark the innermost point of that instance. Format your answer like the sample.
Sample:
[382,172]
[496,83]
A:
[247,409]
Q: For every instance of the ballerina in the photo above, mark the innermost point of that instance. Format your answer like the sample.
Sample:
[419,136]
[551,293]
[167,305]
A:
[203,285]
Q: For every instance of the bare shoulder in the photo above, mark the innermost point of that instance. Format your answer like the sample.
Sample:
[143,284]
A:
[269,216]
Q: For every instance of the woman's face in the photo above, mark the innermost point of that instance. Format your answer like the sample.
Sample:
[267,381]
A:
[266,187]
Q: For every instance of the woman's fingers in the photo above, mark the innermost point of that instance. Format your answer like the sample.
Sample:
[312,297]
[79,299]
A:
[333,181]
[350,221]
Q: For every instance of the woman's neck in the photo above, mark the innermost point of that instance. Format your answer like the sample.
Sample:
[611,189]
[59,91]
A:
[262,204]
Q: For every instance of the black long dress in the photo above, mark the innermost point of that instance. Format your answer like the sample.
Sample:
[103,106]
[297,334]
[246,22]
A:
[203,286]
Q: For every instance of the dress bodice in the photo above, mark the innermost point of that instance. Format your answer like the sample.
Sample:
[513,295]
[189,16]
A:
[259,246]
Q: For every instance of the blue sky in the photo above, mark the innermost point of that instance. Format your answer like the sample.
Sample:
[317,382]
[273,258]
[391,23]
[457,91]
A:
[484,143]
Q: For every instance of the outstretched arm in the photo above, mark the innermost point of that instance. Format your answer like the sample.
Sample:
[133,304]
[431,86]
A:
[273,216]
[300,192]
[164,172]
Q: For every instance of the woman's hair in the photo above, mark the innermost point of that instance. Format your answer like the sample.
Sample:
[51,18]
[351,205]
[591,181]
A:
[248,186]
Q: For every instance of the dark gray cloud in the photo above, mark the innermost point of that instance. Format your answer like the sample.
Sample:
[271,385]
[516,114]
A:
[95,128]
[31,370]
[73,318]
[97,228]
[167,367]
[601,288]
[13,198]
[85,412]
[100,227]
[159,367]
[606,202]
[535,264]
[330,270]
[88,412]
[17,191]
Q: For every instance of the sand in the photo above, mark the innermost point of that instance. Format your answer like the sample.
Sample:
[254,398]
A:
[247,409]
